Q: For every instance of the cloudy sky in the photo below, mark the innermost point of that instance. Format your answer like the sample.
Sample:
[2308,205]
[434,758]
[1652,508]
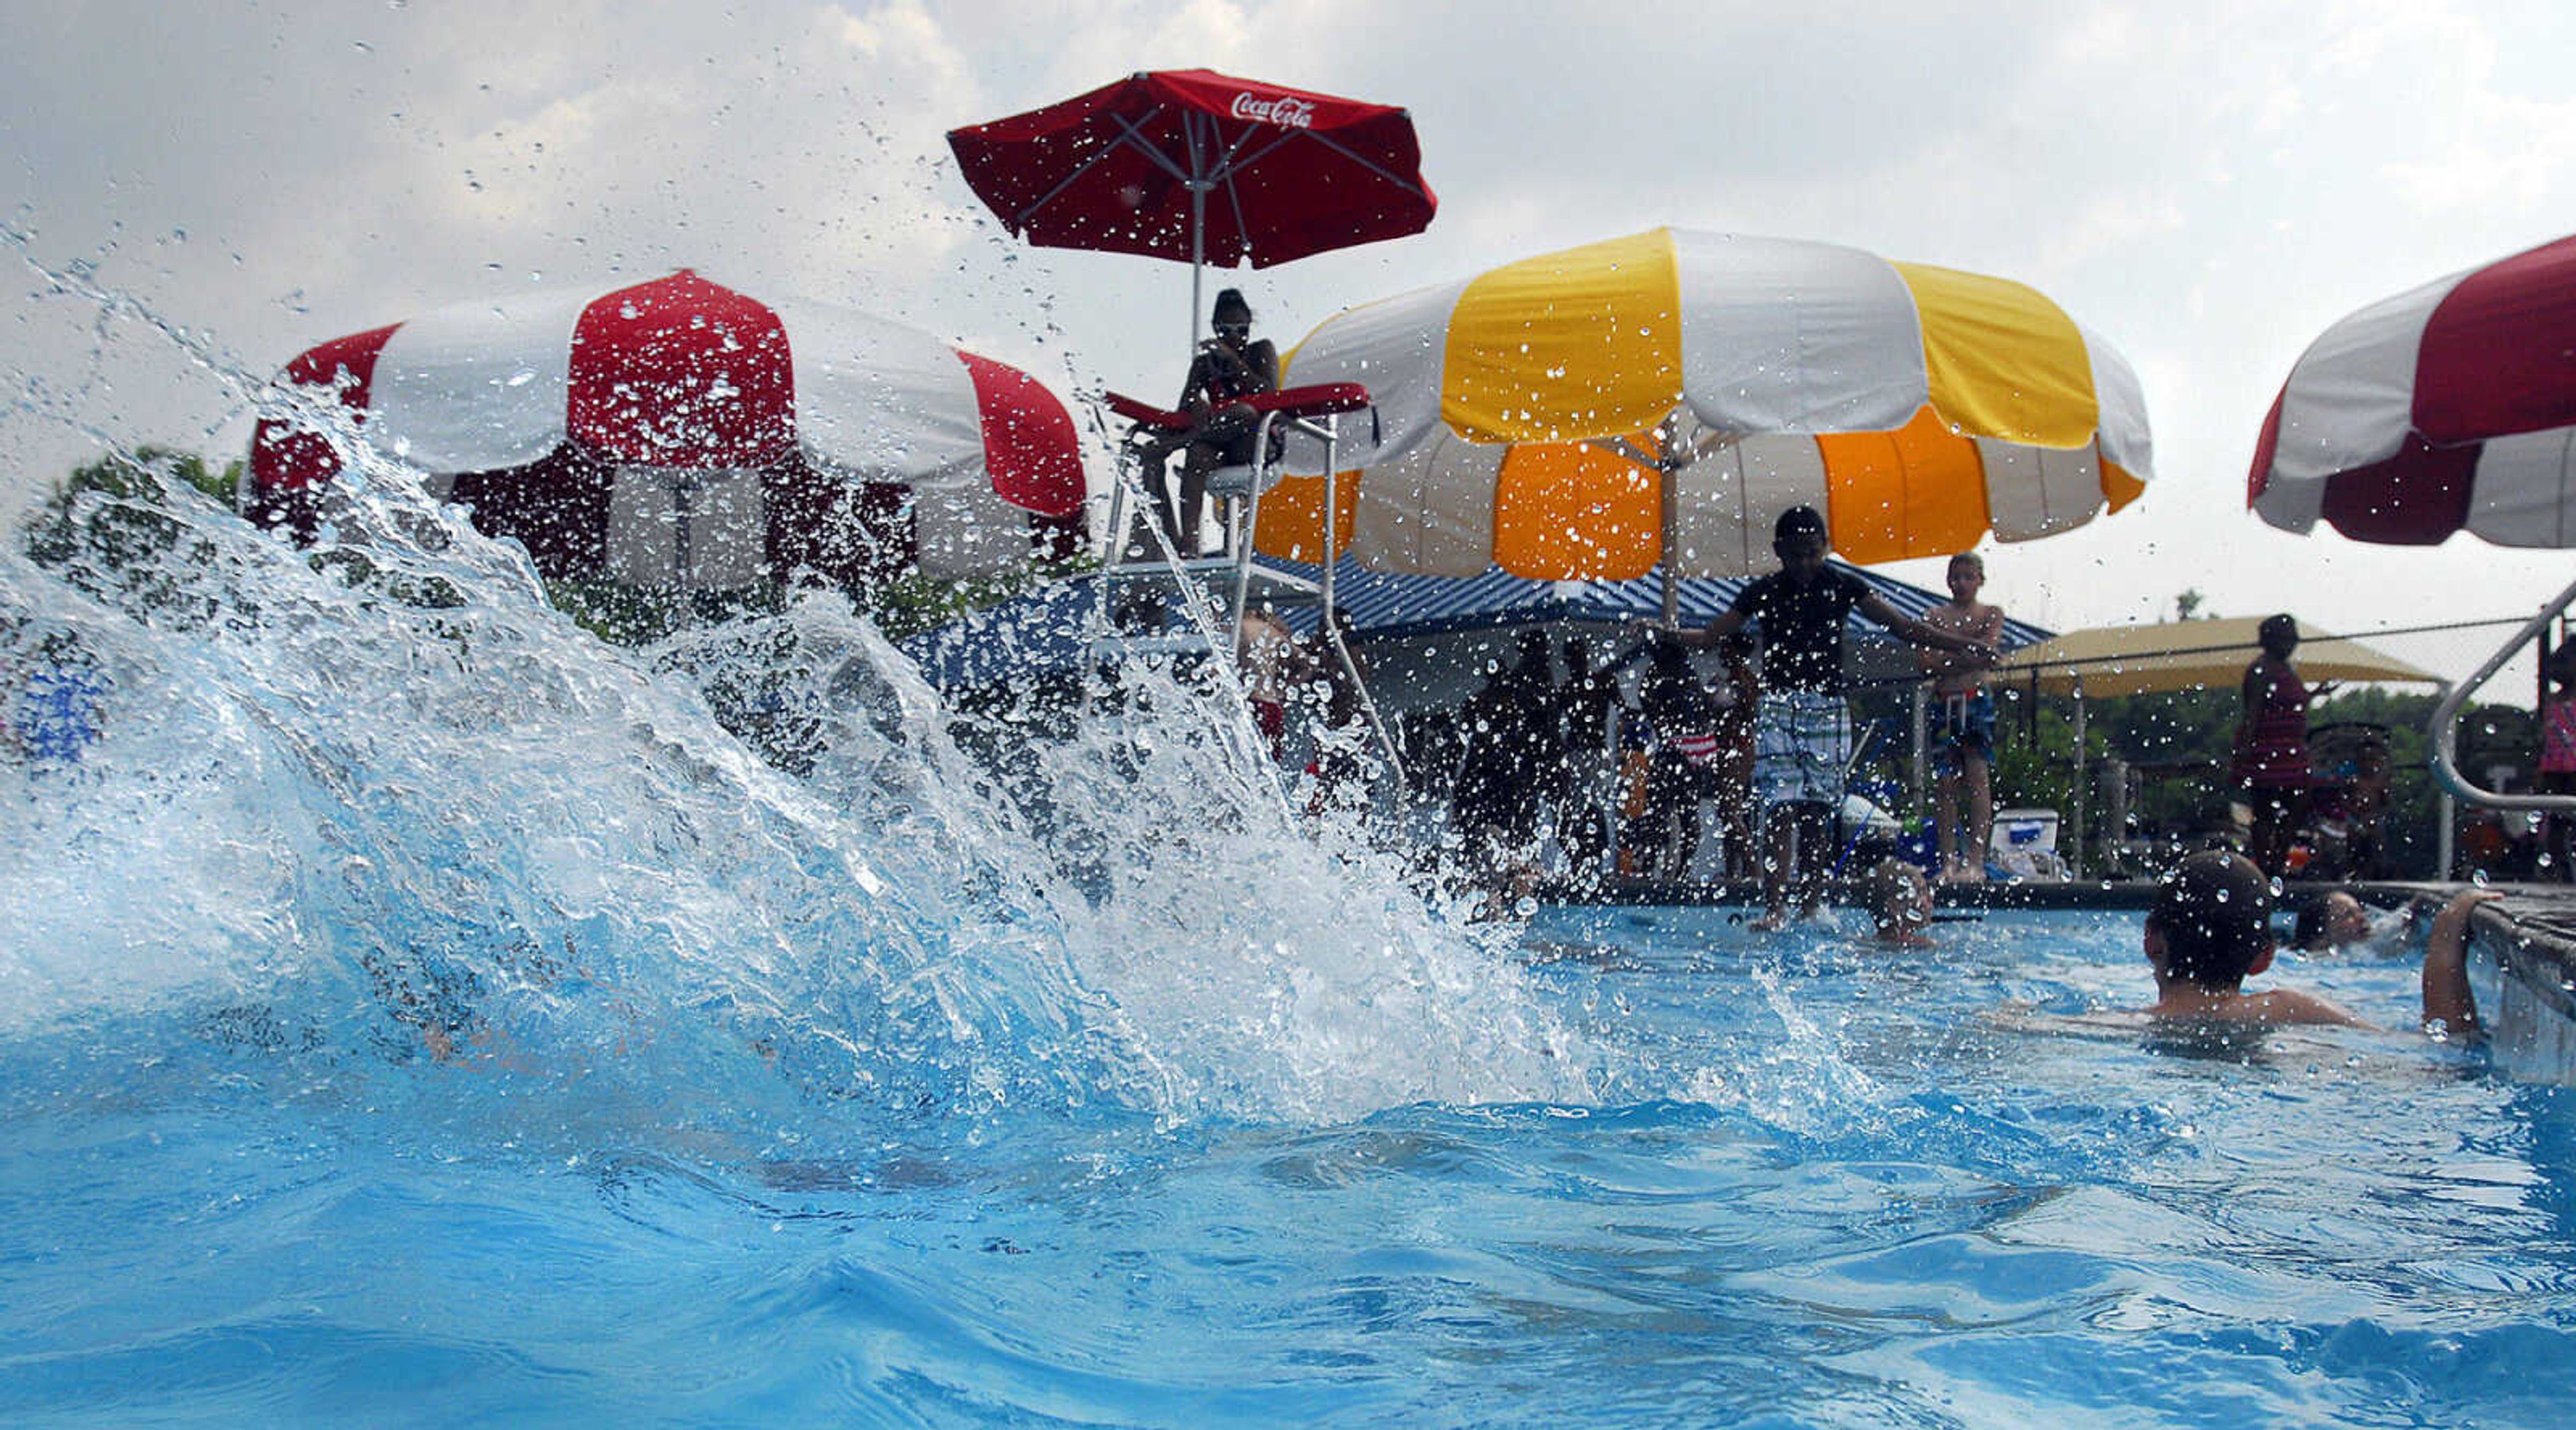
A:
[189,195]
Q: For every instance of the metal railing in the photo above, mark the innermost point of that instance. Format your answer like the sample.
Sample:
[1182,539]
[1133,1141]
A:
[2442,729]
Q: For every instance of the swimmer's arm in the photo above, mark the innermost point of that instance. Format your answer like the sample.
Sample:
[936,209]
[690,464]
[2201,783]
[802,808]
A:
[1875,607]
[2289,1005]
[1985,625]
[2448,1004]
[1726,624]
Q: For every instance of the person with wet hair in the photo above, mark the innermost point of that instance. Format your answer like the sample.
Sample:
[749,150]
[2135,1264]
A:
[2210,929]
[1731,785]
[1586,715]
[1267,653]
[1900,899]
[1802,731]
[1677,708]
[1493,802]
[2329,921]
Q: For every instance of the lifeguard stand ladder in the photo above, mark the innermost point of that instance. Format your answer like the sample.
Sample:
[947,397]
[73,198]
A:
[1236,574]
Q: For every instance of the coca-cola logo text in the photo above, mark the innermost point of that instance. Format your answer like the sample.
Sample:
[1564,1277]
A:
[1287,111]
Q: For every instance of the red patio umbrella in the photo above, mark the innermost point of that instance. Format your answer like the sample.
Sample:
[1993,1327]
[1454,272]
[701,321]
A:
[2448,408]
[1201,168]
[679,433]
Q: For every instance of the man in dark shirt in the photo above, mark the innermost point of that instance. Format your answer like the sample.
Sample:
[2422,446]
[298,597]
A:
[1802,734]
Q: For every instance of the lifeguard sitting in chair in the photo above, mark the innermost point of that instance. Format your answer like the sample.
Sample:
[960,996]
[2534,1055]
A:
[1217,429]
[1231,452]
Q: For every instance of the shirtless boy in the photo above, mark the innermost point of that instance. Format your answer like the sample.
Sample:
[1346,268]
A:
[1963,723]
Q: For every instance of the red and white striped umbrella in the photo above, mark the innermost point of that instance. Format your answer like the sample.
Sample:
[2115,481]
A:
[2449,408]
[679,433]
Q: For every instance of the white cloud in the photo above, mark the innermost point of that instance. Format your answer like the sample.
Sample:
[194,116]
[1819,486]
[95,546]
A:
[2206,183]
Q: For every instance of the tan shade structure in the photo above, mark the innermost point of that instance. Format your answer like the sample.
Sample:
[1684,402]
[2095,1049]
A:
[2110,661]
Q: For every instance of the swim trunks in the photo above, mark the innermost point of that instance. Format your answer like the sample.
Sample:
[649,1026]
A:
[1271,718]
[1801,747]
[1962,725]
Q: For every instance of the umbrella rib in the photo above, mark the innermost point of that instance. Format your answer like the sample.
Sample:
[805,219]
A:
[1623,449]
[1131,132]
[1223,173]
[1200,172]
[1228,162]
[1709,441]
[1127,136]
[1362,160]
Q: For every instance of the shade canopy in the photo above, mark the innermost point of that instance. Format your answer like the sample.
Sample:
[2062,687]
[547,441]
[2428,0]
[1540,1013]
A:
[1195,165]
[606,430]
[2448,408]
[1658,400]
[1046,628]
[2109,661]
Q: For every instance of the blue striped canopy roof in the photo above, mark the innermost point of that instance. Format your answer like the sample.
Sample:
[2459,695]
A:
[1385,604]
[1044,629]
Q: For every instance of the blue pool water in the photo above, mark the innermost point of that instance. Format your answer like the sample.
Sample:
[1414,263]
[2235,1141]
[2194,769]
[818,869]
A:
[422,1013]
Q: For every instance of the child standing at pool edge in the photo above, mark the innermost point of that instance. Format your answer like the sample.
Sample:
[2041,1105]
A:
[1963,725]
[1802,732]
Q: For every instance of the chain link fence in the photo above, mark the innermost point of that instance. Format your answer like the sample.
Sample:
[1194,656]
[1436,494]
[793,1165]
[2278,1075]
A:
[2156,780]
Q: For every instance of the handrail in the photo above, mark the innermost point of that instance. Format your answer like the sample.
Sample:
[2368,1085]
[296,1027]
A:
[2443,728]
[1324,401]
[1309,409]
[1319,399]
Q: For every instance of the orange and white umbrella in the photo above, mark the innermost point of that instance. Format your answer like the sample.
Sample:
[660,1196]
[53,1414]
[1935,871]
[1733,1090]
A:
[1658,400]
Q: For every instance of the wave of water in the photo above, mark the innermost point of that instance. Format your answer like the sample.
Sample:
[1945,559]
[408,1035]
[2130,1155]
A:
[379,802]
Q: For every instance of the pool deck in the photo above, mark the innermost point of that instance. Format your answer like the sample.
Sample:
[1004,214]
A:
[2531,933]
[2544,911]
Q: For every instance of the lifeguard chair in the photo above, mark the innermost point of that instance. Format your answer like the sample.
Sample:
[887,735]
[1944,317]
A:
[1236,575]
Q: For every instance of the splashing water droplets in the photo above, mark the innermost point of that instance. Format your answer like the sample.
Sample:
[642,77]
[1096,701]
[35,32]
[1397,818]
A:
[753,856]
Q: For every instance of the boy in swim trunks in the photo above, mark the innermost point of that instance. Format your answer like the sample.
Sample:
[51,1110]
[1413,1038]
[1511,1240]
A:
[1269,658]
[1802,732]
[1963,724]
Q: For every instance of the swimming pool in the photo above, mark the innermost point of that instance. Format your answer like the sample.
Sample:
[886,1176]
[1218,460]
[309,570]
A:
[426,1014]
[1831,1194]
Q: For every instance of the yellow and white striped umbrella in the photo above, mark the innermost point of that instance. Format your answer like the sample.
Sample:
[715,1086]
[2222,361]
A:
[1587,414]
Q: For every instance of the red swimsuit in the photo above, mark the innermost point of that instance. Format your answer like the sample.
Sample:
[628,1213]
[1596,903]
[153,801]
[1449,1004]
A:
[2272,748]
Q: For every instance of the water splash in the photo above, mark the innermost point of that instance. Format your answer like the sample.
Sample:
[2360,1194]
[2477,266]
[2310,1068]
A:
[379,804]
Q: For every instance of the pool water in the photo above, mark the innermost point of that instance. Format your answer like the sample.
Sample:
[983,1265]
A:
[416,1012]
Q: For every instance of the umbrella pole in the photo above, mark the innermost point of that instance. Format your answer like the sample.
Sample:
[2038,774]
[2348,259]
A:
[1198,256]
[1198,183]
[1668,471]
[2075,863]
